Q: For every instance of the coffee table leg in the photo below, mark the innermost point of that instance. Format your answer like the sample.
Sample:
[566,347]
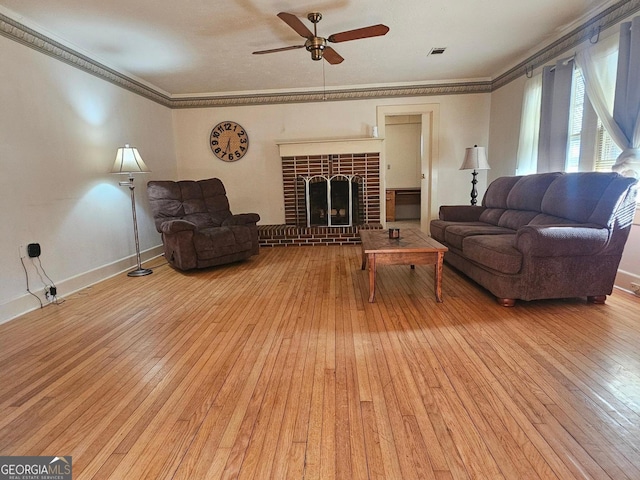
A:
[364,259]
[372,277]
[437,277]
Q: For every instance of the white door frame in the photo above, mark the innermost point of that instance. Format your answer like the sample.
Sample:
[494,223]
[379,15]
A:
[429,157]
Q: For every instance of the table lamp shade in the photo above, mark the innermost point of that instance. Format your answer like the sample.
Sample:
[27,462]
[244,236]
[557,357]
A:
[475,158]
[128,160]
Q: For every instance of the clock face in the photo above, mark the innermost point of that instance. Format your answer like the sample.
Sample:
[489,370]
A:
[229,141]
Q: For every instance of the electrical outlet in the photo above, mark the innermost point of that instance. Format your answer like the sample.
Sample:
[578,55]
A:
[22,250]
[33,250]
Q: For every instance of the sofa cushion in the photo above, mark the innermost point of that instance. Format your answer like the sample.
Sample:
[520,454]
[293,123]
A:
[492,215]
[527,193]
[439,227]
[514,219]
[455,234]
[544,219]
[203,202]
[576,197]
[216,201]
[166,201]
[497,193]
[220,241]
[494,251]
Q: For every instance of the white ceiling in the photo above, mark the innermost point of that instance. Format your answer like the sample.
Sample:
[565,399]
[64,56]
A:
[198,47]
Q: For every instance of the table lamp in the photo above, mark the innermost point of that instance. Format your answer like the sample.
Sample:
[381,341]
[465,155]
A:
[475,158]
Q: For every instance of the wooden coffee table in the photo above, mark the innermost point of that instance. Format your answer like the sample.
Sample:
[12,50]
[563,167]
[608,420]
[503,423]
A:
[414,247]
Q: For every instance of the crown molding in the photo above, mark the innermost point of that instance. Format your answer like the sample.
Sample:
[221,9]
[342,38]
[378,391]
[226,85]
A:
[22,34]
[43,44]
[333,95]
[605,19]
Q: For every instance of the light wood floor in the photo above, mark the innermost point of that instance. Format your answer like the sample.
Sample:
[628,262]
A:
[278,367]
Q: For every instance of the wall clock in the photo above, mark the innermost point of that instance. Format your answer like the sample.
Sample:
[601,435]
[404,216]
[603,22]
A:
[229,141]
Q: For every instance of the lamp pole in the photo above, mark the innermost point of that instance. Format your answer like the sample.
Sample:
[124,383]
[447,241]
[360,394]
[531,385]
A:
[474,192]
[138,272]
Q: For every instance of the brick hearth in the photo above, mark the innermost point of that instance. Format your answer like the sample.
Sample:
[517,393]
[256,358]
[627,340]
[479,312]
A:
[292,235]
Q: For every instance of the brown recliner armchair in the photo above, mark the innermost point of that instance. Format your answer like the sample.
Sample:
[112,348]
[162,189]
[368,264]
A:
[198,229]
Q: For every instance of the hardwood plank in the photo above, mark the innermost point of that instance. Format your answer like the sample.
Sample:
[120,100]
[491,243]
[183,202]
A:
[278,367]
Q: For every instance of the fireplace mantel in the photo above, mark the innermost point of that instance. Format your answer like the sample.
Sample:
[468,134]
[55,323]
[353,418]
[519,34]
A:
[330,146]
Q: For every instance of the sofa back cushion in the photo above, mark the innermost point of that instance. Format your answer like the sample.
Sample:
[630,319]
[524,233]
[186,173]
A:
[495,199]
[498,191]
[556,198]
[586,197]
[202,202]
[527,193]
[524,199]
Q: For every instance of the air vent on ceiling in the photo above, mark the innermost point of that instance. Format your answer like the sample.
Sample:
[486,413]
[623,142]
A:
[437,50]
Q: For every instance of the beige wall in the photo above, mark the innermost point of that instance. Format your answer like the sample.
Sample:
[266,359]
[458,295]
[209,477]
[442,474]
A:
[629,270]
[254,183]
[506,108]
[59,131]
[403,139]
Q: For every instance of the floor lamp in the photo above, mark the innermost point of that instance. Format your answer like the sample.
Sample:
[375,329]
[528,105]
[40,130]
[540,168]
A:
[128,161]
[475,158]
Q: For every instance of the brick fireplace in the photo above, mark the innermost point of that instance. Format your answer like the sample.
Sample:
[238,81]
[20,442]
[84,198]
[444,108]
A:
[357,158]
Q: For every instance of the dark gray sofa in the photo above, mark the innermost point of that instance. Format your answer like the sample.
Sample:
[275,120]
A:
[198,229]
[550,235]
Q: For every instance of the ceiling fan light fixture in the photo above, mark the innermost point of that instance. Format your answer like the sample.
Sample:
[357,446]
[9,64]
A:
[315,45]
[318,46]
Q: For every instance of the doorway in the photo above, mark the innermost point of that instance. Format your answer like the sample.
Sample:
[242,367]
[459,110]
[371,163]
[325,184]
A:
[424,118]
[403,140]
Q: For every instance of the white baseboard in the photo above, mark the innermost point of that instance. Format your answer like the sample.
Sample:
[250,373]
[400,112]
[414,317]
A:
[26,303]
[624,279]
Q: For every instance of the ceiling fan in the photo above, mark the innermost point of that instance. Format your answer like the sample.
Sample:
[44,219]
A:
[318,45]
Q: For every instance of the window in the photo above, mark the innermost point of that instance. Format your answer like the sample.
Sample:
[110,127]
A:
[606,150]
[575,122]
[590,147]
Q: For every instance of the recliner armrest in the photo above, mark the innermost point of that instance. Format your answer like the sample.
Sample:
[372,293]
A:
[561,240]
[241,219]
[460,213]
[175,226]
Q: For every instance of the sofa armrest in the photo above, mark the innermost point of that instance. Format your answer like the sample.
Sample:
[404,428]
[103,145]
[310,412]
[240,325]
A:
[460,213]
[175,226]
[561,240]
[241,219]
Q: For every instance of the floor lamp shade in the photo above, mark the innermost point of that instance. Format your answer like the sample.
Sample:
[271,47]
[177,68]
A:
[475,158]
[128,161]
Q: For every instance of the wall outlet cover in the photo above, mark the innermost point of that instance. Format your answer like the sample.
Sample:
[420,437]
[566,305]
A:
[33,250]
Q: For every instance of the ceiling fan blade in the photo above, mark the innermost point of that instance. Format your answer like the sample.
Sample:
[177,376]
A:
[281,49]
[365,32]
[295,23]
[331,56]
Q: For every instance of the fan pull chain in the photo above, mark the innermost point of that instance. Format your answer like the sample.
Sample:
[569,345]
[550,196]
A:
[324,83]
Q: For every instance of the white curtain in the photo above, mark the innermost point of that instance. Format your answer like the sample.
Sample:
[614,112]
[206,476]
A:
[527,158]
[554,116]
[599,64]
[613,65]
